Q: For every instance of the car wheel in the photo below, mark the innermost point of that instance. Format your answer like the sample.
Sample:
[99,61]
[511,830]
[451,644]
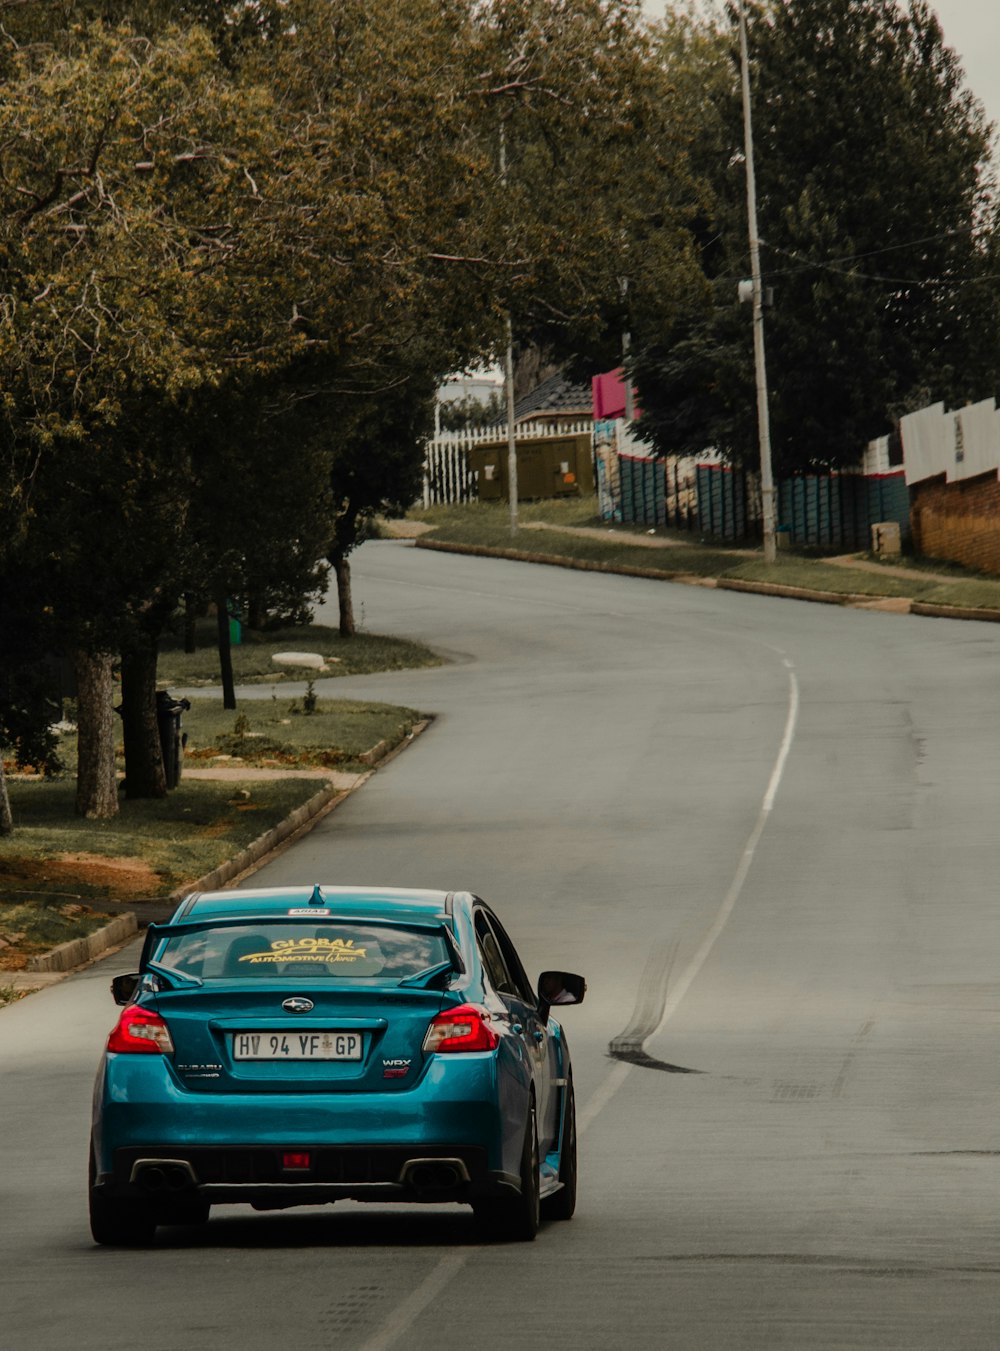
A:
[561,1204]
[516,1218]
[116,1222]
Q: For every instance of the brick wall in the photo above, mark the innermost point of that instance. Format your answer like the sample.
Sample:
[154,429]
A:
[959,522]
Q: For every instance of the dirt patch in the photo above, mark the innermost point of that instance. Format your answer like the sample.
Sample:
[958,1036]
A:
[403,529]
[80,873]
[215,829]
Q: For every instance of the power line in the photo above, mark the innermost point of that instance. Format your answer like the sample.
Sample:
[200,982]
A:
[807,264]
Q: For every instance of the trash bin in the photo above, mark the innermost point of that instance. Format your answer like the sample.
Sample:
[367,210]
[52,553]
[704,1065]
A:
[172,740]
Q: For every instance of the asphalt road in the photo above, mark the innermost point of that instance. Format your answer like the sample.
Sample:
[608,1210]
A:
[767,833]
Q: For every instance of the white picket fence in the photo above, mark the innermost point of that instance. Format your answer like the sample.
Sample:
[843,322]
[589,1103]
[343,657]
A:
[447,475]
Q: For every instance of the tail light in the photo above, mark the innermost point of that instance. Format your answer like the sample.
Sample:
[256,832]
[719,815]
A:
[141,1030]
[466,1028]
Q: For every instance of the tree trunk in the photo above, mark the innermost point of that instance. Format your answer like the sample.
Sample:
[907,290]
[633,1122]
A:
[190,616]
[144,771]
[225,653]
[343,570]
[96,789]
[6,819]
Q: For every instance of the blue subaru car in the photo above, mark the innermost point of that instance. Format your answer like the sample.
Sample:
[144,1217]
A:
[299,1046]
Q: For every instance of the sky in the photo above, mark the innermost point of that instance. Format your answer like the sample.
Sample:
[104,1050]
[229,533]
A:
[972,29]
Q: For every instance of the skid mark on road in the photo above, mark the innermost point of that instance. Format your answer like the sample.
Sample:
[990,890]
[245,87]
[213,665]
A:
[655,1002]
[857,1044]
[651,997]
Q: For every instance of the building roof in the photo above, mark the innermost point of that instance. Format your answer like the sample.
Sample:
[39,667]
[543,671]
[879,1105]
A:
[557,394]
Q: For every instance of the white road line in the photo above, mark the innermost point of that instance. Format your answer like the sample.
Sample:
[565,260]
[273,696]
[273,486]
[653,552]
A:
[686,978]
[603,1095]
[449,1267]
[414,1304]
[672,1001]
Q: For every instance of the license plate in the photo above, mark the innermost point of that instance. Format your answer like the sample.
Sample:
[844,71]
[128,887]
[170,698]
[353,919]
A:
[296,1045]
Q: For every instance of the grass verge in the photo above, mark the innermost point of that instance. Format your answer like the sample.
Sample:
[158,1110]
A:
[364,654]
[487,525]
[279,733]
[147,850]
[33,922]
[58,870]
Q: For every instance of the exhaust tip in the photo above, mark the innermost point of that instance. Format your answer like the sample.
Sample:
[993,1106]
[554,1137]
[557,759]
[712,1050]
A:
[434,1174]
[153,1179]
[159,1175]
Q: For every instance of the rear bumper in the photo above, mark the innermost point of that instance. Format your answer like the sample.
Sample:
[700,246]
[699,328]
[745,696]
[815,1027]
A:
[256,1175]
[229,1147]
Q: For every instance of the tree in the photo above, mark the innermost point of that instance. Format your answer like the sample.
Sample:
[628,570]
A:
[376,470]
[873,189]
[470,413]
[131,218]
[241,244]
[595,190]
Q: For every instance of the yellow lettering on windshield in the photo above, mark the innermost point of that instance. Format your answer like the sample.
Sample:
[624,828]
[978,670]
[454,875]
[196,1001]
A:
[308,950]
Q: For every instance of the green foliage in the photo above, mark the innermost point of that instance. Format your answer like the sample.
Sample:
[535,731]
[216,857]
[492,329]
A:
[596,188]
[472,414]
[873,191]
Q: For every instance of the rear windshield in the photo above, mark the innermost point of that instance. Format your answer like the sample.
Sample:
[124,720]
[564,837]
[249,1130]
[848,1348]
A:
[304,950]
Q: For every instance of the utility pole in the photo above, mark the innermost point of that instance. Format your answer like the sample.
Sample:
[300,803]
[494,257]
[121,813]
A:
[509,375]
[760,368]
[626,349]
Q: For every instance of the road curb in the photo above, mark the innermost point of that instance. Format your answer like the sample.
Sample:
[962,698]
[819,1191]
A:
[303,818]
[552,560]
[247,859]
[79,951]
[931,611]
[788,592]
[849,599]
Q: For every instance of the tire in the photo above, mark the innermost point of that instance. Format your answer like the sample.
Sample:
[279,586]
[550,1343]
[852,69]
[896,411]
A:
[561,1204]
[118,1223]
[515,1219]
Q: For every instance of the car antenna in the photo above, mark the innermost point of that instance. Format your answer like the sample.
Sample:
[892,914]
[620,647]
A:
[317,898]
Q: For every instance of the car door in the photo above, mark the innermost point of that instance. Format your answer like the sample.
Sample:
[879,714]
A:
[517,994]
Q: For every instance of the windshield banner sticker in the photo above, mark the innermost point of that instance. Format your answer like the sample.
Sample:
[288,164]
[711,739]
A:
[308,950]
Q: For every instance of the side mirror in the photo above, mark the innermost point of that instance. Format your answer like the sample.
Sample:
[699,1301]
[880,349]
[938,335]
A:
[559,987]
[123,988]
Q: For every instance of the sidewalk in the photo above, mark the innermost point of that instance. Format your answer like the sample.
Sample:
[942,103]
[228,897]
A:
[649,540]
[859,563]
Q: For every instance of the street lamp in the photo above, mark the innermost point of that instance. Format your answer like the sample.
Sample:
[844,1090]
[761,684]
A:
[760,369]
